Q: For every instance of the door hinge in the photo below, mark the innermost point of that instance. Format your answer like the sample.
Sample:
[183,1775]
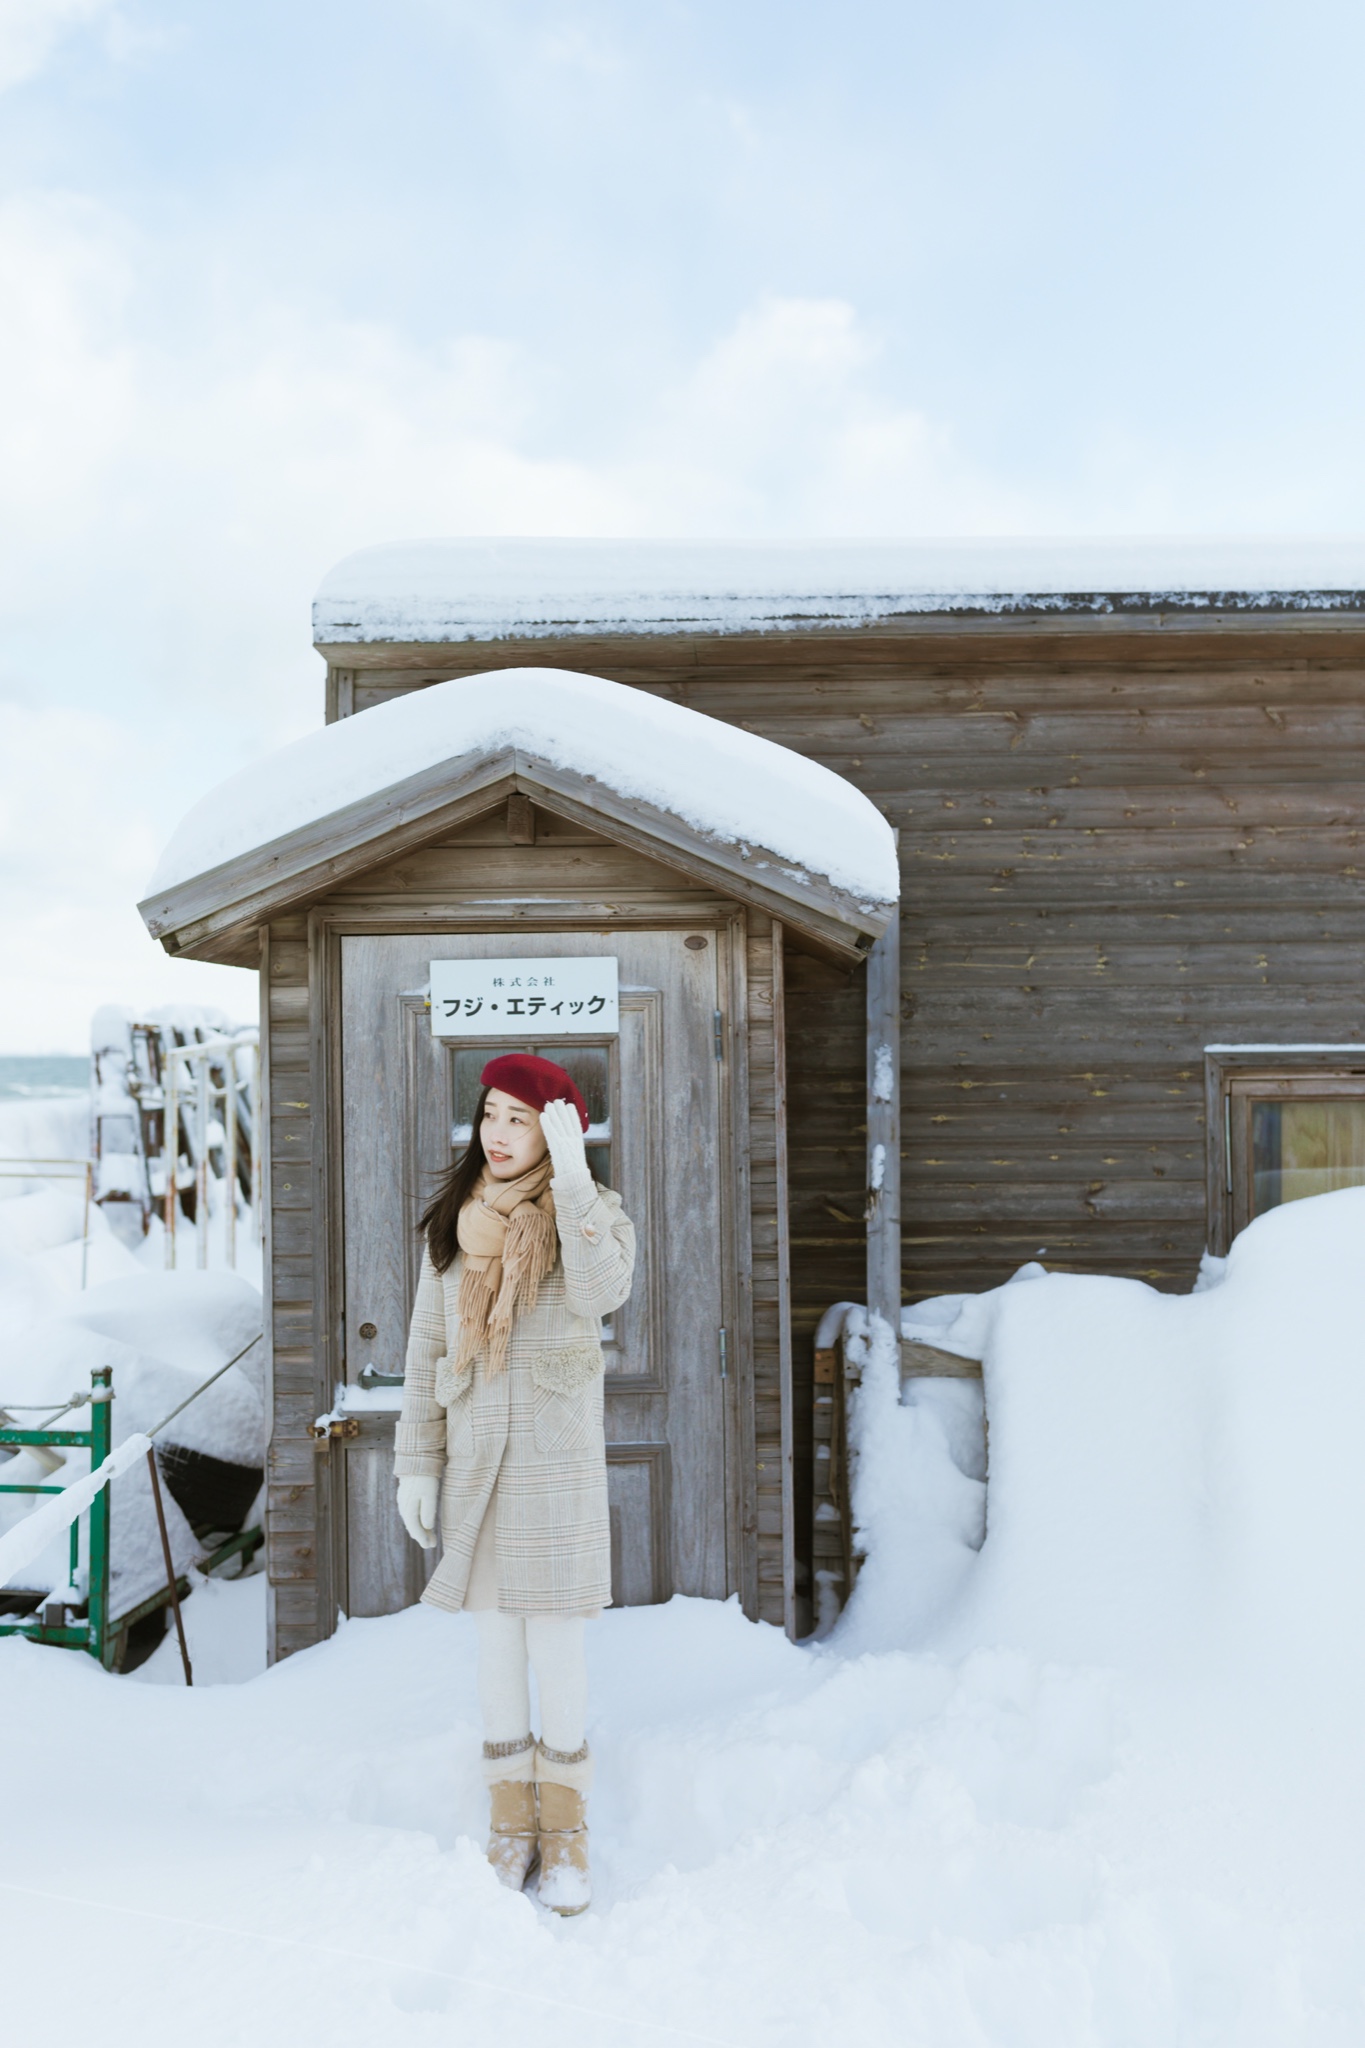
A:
[724,1354]
[717,1038]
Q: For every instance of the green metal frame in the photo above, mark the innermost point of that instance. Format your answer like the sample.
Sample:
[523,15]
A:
[91,1633]
[96,1631]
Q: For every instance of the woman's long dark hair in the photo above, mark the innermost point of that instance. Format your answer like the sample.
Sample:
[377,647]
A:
[442,1213]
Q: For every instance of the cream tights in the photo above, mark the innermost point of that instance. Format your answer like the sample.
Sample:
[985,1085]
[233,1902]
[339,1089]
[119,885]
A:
[552,1645]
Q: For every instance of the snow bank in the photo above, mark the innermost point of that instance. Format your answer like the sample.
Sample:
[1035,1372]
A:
[43,1128]
[162,1333]
[438,590]
[734,785]
[1173,1479]
[918,1471]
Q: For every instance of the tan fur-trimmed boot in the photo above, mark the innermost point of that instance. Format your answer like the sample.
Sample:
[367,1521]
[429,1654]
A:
[509,1770]
[562,1782]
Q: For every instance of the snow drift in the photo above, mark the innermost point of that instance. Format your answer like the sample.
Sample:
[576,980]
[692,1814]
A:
[1173,1479]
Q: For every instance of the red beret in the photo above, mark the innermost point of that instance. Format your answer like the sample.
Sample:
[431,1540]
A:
[534,1081]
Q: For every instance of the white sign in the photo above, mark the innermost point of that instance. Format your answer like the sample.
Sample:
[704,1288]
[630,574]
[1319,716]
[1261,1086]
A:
[525,998]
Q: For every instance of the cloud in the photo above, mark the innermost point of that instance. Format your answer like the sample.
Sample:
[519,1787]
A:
[66,361]
[172,489]
[784,426]
[77,801]
[169,499]
[31,30]
[165,516]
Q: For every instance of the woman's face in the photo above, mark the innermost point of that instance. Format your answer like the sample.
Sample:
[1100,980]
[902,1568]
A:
[510,1130]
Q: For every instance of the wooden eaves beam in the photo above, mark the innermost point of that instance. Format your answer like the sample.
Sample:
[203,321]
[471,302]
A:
[209,914]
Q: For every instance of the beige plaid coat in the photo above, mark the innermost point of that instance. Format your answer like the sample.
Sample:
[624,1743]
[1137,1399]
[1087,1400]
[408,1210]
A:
[533,1433]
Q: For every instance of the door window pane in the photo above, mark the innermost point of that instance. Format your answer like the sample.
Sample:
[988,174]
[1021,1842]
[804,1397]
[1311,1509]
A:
[588,1066]
[1302,1146]
[469,1063]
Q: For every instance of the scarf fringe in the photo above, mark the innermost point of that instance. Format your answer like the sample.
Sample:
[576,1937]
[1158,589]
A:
[494,1292]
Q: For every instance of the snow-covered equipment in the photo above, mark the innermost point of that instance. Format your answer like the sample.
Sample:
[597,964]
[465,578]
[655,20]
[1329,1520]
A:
[175,1126]
[75,1618]
[101,1581]
[940,1354]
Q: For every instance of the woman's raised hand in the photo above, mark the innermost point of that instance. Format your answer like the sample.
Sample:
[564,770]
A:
[564,1135]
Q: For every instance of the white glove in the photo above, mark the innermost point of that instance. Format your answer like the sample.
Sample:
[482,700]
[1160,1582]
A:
[417,1498]
[564,1135]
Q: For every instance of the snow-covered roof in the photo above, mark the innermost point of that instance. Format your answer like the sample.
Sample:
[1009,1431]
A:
[450,590]
[790,827]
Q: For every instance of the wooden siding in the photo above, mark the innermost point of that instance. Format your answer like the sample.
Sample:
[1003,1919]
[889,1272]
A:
[481,875]
[296,1552]
[1120,841]
[771,1447]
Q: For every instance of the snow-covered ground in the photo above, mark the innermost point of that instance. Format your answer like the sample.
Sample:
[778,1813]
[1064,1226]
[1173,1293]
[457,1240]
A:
[1096,1785]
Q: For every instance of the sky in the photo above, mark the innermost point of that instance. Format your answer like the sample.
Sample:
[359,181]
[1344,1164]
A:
[277,282]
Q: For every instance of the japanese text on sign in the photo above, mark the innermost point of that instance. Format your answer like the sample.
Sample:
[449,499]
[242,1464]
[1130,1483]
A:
[539,998]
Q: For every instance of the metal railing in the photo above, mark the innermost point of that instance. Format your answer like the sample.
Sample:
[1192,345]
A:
[79,1619]
[61,1621]
[206,1092]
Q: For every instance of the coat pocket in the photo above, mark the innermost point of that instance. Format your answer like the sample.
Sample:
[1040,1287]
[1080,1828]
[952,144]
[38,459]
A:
[568,1398]
[455,1392]
[452,1386]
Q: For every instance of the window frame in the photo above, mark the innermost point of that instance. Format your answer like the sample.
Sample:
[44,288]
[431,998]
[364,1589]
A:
[1235,1076]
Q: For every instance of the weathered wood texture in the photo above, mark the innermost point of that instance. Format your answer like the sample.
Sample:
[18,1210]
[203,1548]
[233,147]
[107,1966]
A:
[883,1084]
[296,1540]
[486,876]
[215,916]
[770,1442]
[1119,842]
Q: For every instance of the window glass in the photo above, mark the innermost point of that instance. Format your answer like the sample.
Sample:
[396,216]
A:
[1303,1146]
[589,1066]
[470,1062]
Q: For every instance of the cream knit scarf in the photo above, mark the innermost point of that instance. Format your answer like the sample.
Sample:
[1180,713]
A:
[506,1231]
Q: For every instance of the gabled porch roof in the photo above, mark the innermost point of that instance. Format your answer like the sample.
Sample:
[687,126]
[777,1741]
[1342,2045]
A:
[736,812]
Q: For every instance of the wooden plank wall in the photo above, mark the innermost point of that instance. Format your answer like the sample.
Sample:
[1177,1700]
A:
[1119,843]
[570,866]
[767,1223]
[297,1559]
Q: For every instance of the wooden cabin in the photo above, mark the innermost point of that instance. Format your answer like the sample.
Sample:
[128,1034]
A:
[1125,993]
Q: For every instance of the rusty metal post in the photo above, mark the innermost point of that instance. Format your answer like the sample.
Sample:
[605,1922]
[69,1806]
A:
[170,1566]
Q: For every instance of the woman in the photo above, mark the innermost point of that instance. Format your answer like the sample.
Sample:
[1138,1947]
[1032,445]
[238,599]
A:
[524,1255]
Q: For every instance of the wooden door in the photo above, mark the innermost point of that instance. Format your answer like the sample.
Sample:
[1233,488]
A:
[656,1101]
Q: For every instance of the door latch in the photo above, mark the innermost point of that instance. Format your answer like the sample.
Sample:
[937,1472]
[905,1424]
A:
[329,1429]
